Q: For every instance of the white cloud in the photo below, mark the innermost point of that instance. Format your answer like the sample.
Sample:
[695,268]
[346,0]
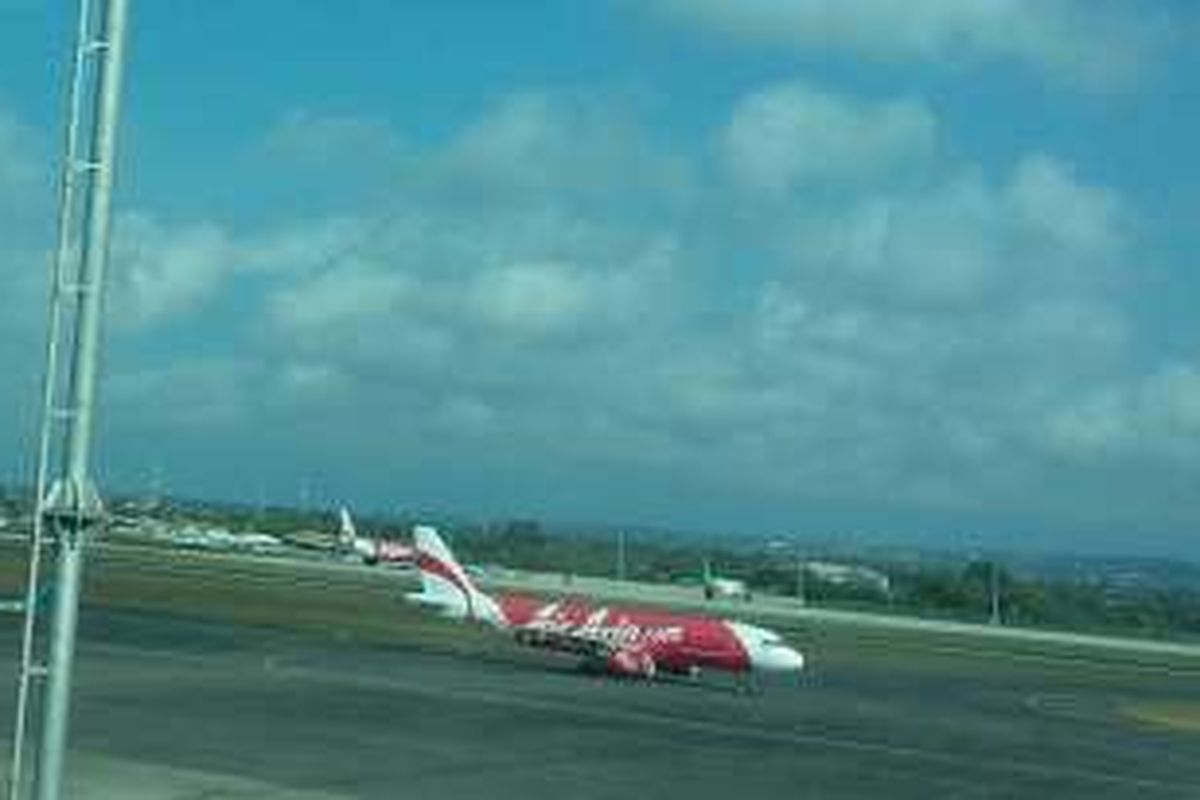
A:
[21,167]
[1167,404]
[1096,43]
[1049,201]
[317,140]
[187,395]
[26,185]
[1091,428]
[1134,419]
[162,272]
[464,415]
[349,293]
[25,275]
[522,140]
[572,145]
[941,338]
[963,332]
[793,135]
[25,206]
[428,278]
[933,246]
[960,240]
[532,298]
[313,382]
[305,247]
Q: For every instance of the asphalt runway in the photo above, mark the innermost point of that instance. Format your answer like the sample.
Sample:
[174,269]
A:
[301,711]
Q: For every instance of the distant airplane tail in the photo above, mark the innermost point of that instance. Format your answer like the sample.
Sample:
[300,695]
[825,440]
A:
[346,531]
[446,586]
[350,542]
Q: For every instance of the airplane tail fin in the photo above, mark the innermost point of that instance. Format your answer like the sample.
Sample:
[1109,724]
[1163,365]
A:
[351,543]
[446,585]
[346,531]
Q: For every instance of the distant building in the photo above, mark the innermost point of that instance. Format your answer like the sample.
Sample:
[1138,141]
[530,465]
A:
[849,575]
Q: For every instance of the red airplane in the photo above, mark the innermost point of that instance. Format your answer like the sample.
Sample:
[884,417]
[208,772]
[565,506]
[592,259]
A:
[373,551]
[623,641]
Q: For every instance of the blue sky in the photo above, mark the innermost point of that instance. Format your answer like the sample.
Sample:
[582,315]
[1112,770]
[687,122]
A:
[914,271]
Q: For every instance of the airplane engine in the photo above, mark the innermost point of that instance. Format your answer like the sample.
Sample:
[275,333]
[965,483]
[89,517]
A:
[631,664]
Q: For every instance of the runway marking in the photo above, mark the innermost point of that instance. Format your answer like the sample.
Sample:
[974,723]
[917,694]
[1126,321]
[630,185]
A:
[1068,706]
[712,727]
[1073,661]
[1180,717]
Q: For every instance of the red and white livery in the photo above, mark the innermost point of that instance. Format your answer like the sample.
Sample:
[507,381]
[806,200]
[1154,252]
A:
[373,551]
[624,641]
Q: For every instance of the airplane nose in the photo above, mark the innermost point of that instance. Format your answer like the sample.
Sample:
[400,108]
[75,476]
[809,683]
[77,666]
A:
[765,650]
[779,659]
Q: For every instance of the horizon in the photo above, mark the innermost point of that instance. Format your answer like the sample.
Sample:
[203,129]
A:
[843,543]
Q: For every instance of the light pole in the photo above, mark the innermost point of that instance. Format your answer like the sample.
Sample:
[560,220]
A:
[71,509]
[994,583]
[75,505]
[799,576]
[621,555]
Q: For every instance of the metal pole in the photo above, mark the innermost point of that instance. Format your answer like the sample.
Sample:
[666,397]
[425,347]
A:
[799,577]
[995,592]
[621,555]
[58,271]
[77,502]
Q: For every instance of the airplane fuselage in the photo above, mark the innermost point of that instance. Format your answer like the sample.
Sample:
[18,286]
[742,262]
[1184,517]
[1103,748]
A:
[623,640]
[674,642]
